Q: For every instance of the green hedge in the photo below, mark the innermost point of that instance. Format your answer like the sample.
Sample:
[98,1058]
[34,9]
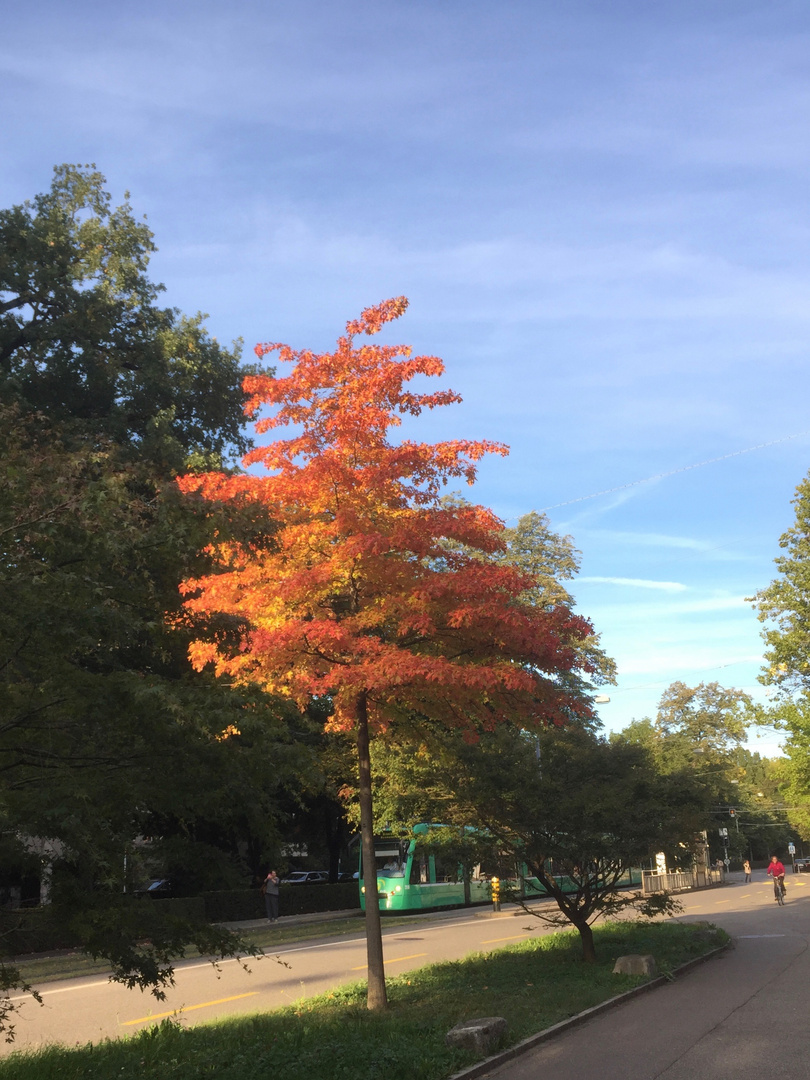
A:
[238,905]
[182,907]
[43,929]
[304,899]
[233,905]
[34,930]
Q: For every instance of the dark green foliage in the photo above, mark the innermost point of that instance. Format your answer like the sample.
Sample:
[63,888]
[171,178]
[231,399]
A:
[784,607]
[563,801]
[107,736]
[83,341]
[239,904]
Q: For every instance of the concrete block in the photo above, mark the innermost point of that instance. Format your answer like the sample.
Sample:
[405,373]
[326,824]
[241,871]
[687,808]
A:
[635,964]
[482,1036]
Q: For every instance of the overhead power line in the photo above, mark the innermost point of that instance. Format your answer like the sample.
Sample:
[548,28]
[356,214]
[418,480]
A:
[674,472]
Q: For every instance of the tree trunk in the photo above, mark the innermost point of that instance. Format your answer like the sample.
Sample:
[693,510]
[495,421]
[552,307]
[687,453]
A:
[377,998]
[586,937]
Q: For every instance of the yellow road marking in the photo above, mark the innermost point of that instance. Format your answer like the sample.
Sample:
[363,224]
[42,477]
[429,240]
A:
[187,1008]
[492,940]
[717,902]
[395,960]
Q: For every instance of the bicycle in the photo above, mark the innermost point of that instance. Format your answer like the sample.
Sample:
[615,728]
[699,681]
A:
[779,890]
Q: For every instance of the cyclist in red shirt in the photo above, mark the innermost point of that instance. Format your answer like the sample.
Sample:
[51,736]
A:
[777,870]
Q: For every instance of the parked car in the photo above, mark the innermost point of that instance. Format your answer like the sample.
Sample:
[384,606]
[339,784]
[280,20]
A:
[160,889]
[801,866]
[347,875]
[306,877]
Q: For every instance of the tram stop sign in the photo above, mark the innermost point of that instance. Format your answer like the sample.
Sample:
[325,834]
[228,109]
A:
[791,848]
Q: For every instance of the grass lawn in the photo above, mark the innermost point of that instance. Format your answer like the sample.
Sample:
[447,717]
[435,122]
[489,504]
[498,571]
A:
[332,1037]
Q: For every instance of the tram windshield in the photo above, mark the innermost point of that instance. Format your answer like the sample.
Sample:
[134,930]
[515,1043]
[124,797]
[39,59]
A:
[390,861]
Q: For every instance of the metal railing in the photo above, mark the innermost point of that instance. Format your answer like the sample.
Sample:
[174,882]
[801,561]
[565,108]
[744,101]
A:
[679,880]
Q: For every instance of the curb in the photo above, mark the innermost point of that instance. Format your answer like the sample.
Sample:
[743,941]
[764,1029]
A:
[481,1068]
[291,920]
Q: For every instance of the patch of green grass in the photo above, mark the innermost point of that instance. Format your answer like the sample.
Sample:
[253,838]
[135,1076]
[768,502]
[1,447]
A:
[533,984]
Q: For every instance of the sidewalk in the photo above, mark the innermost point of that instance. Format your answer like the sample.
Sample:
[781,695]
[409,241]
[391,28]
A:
[482,911]
[744,1013]
[294,920]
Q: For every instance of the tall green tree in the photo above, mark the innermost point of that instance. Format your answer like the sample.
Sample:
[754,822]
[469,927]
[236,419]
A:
[105,730]
[698,733]
[784,606]
[84,341]
[700,728]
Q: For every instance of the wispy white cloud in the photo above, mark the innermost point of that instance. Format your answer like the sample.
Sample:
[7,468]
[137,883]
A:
[637,613]
[695,664]
[664,540]
[636,583]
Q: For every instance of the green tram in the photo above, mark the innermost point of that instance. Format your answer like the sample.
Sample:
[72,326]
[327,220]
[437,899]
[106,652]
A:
[413,876]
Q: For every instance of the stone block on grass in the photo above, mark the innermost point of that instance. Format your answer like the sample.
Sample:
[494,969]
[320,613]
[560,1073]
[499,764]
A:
[482,1036]
[636,964]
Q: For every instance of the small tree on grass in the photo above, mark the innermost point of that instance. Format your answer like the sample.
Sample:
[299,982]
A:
[372,593]
[576,810]
[595,810]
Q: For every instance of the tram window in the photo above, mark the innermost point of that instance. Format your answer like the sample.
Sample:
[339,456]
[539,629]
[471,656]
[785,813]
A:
[500,866]
[419,870]
[447,868]
[389,862]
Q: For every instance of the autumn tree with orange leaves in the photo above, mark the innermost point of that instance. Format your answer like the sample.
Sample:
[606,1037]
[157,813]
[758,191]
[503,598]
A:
[372,591]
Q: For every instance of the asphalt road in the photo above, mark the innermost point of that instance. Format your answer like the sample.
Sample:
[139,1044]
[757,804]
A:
[82,1010]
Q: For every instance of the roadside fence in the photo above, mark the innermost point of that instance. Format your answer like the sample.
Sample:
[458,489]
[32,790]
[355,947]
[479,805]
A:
[680,880]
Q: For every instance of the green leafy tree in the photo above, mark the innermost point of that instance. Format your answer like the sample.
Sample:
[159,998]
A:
[83,340]
[551,559]
[105,396]
[784,606]
[596,810]
[698,733]
[700,729]
[563,801]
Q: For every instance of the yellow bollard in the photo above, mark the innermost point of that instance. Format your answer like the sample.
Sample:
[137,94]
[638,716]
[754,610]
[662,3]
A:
[496,894]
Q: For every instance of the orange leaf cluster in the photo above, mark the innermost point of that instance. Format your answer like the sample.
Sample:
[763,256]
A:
[368,584]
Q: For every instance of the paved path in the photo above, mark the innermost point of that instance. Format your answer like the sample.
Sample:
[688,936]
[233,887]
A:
[746,1014]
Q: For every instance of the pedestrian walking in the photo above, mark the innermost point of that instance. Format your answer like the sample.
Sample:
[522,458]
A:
[747,869]
[270,894]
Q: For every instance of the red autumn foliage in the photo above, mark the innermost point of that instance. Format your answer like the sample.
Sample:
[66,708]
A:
[370,584]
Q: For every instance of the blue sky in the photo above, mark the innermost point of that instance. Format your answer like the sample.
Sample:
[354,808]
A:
[598,211]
